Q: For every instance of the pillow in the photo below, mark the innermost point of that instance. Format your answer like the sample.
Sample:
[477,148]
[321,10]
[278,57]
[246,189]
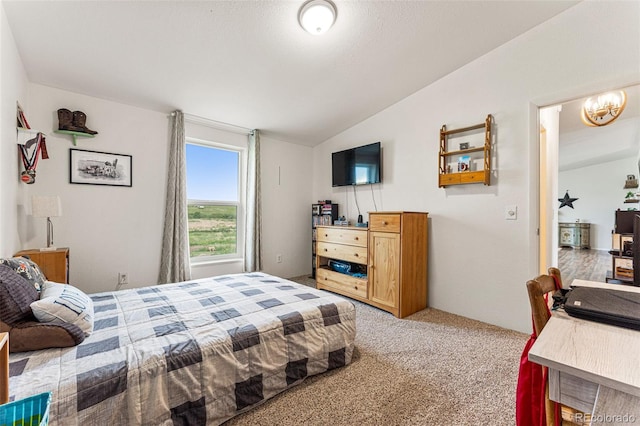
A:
[33,336]
[27,268]
[63,303]
[16,296]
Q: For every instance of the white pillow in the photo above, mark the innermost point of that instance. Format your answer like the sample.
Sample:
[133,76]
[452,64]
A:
[64,303]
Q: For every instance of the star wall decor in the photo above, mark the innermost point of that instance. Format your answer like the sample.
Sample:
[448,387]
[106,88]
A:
[566,200]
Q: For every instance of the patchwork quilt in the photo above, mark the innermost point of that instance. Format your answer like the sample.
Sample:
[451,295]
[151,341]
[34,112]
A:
[191,353]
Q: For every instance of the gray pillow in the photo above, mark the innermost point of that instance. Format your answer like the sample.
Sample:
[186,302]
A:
[27,268]
[16,296]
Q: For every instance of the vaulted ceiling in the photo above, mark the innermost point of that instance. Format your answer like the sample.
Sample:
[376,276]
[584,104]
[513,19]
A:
[250,64]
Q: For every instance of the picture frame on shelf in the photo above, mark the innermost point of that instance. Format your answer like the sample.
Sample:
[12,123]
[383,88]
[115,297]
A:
[100,168]
[464,163]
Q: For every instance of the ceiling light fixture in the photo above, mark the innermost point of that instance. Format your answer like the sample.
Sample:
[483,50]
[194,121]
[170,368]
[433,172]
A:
[317,16]
[603,109]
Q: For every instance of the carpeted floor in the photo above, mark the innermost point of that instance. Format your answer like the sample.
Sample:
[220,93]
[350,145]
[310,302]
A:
[431,368]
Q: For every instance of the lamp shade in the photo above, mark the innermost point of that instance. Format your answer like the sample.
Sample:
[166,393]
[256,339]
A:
[46,206]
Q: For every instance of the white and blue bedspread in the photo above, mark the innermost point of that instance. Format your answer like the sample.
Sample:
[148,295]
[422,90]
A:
[191,353]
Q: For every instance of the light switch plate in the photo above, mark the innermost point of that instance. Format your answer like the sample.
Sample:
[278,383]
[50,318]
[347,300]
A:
[511,212]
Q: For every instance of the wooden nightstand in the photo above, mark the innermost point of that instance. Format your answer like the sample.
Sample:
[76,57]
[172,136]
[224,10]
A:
[54,264]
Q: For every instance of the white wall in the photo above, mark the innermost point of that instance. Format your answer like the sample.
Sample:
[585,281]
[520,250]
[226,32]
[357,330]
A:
[108,229]
[118,229]
[600,191]
[478,261]
[13,87]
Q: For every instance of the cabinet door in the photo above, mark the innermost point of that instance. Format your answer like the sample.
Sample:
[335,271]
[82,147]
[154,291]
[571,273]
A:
[567,236]
[384,269]
[585,238]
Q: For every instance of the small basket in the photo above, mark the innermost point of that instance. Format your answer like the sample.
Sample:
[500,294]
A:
[31,411]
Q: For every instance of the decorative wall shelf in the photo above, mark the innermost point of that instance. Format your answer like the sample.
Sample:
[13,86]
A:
[74,135]
[446,176]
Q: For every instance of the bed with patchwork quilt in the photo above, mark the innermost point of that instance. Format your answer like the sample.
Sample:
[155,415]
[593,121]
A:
[190,353]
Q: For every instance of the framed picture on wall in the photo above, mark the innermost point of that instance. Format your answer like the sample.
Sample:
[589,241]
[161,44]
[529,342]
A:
[99,168]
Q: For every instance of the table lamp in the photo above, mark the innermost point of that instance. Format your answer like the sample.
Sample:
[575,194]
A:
[46,206]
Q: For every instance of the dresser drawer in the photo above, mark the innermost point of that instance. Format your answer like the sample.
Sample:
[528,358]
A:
[341,283]
[387,222]
[354,237]
[354,254]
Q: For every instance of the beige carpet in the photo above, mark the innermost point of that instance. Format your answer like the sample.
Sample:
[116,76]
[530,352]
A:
[431,368]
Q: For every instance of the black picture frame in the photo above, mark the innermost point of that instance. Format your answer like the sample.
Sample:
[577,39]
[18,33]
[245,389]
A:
[100,168]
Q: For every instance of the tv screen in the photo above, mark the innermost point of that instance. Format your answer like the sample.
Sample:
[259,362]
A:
[357,166]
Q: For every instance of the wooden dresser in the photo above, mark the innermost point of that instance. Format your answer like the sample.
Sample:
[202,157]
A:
[54,264]
[393,254]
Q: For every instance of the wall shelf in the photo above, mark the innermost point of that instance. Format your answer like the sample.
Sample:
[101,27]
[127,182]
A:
[446,177]
[74,135]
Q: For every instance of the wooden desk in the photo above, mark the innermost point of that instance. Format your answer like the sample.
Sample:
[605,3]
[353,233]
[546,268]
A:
[593,367]
[54,264]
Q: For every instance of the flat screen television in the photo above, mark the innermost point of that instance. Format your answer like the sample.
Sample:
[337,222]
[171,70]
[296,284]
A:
[357,166]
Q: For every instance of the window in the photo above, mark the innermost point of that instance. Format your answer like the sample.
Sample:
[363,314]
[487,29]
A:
[214,191]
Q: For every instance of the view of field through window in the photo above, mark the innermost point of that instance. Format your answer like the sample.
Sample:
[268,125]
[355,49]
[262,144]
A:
[214,200]
[212,230]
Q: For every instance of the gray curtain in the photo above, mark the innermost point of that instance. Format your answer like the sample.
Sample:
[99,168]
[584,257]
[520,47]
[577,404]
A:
[174,261]
[252,250]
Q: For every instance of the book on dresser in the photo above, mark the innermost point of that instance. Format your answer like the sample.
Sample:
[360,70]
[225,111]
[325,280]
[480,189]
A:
[322,213]
[389,259]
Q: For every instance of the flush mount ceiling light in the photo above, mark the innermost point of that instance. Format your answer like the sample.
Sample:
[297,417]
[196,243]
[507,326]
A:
[603,109]
[317,16]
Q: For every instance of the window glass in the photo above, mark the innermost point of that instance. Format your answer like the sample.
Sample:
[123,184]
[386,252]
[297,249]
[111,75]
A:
[213,192]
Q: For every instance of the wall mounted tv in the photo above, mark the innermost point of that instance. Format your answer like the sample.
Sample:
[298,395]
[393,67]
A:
[357,166]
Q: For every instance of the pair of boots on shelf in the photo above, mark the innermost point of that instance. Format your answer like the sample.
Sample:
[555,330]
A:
[73,121]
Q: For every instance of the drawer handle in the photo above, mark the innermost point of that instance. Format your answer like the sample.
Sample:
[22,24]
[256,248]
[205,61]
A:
[356,254]
[326,250]
[384,222]
[326,235]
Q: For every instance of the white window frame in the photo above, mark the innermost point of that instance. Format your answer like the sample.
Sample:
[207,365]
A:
[240,205]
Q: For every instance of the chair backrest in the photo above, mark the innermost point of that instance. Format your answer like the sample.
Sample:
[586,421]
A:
[537,288]
[555,273]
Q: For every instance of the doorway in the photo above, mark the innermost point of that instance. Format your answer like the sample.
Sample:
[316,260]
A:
[586,167]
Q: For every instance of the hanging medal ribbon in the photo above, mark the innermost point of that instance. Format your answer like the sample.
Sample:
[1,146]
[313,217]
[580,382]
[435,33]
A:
[30,159]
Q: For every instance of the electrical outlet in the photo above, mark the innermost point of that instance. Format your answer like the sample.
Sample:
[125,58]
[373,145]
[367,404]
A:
[511,212]
[279,258]
[123,278]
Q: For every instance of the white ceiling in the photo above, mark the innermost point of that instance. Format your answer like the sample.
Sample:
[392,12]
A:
[248,63]
[583,146]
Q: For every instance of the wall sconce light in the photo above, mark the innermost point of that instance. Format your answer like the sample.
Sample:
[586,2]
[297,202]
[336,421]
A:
[46,206]
[317,16]
[603,109]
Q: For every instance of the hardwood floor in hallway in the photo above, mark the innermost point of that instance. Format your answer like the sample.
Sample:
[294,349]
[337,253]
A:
[583,264]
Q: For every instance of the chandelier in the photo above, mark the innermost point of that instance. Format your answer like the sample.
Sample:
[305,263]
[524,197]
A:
[603,109]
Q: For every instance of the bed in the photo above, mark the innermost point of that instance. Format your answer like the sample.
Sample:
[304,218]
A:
[193,353]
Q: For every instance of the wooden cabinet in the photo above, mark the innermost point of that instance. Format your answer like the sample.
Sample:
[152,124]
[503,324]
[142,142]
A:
[394,252]
[455,169]
[576,235]
[347,244]
[54,264]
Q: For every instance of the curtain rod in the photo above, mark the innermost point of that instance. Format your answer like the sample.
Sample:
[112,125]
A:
[216,124]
